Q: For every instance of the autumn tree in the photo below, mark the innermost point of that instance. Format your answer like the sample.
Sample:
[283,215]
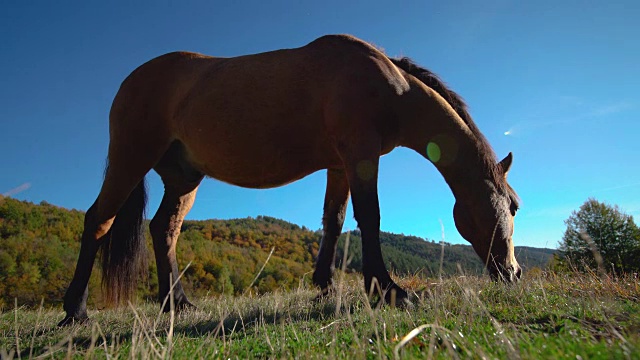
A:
[601,235]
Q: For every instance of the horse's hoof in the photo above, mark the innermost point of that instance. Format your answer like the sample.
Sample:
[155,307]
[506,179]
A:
[181,305]
[73,320]
[404,303]
[186,305]
[397,297]
[324,293]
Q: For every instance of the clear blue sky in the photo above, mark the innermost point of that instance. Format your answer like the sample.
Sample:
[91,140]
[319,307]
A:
[561,78]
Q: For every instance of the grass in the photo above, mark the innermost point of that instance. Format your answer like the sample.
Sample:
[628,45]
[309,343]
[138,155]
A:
[544,316]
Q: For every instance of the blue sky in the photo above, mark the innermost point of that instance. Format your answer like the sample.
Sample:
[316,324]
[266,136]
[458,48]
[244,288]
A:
[561,79]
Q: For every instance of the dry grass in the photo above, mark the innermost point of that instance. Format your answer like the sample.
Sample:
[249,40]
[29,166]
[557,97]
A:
[544,316]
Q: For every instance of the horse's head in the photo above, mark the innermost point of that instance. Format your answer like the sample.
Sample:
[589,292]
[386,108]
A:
[484,217]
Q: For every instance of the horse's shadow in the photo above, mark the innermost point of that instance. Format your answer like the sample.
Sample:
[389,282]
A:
[235,322]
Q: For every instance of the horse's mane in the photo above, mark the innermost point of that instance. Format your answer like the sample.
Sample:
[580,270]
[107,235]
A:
[457,103]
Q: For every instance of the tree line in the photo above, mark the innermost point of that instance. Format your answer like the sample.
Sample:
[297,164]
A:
[39,245]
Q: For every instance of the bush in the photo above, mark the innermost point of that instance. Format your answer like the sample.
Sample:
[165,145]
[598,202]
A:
[600,236]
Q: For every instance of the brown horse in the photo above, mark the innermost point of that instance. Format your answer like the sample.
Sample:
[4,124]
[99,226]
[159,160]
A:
[265,120]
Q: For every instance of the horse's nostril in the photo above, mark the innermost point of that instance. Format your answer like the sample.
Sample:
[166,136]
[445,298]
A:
[508,274]
[515,274]
[511,274]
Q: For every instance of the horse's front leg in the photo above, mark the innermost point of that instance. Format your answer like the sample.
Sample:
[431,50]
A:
[335,206]
[362,173]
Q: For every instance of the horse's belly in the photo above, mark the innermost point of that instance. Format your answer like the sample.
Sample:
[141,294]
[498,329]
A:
[250,142]
[259,173]
[254,164]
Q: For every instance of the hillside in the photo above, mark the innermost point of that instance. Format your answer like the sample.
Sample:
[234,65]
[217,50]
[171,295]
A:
[39,246]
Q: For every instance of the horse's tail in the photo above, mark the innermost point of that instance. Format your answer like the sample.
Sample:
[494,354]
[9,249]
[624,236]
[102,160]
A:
[124,252]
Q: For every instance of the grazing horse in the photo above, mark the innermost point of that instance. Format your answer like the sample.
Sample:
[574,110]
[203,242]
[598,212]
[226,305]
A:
[265,120]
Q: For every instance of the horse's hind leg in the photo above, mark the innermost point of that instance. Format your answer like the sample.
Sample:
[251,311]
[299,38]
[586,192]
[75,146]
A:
[75,299]
[118,192]
[335,206]
[181,184]
[122,194]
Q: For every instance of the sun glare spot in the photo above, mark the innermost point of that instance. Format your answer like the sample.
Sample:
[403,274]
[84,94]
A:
[433,152]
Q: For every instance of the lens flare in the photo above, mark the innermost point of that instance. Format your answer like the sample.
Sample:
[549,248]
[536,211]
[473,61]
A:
[433,152]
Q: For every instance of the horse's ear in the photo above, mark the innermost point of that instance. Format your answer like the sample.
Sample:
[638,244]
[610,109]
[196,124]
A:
[505,164]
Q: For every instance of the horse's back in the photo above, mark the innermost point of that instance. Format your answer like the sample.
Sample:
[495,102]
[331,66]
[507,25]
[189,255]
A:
[168,85]
[259,120]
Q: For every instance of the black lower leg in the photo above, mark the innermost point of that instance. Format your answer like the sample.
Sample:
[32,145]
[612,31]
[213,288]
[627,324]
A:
[165,229]
[335,205]
[168,275]
[75,299]
[367,213]
[325,263]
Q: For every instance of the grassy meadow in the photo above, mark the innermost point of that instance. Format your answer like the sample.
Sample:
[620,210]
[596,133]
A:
[572,316]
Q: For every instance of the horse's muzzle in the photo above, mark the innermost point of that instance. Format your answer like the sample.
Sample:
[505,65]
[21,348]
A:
[510,274]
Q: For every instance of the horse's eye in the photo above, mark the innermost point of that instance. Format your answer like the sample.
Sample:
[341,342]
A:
[514,207]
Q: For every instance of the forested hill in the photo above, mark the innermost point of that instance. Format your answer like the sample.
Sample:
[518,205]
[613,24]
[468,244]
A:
[39,247]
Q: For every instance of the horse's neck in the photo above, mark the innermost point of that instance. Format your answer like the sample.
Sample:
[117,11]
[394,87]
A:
[432,128]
